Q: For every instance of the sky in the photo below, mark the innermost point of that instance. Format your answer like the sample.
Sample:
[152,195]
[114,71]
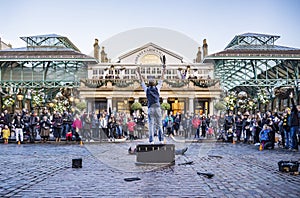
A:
[84,20]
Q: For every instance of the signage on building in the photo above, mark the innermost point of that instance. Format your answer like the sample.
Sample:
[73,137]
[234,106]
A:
[148,51]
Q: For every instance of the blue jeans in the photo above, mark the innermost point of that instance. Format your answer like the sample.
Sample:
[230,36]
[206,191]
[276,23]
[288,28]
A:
[287,138]
[119,130]
[197,133]
[154,122]
[293,133]
[65,130]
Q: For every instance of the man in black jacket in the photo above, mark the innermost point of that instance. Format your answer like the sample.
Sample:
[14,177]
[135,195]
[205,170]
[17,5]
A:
[294,121]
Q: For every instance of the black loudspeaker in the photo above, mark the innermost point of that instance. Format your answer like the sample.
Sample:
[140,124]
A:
[77,163]
[155,154]
[288,166]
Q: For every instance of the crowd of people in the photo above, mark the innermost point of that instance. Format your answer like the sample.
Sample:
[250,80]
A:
[258,128]
[105,125]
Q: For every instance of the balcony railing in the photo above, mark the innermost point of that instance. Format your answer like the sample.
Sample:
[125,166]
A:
[126,83]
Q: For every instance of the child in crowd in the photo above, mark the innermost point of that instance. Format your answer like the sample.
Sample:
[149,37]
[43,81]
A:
[130,125]
[6,134]
[264,136]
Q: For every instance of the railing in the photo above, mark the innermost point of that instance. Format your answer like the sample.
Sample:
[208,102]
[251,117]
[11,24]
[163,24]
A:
[39,84]
[123,83]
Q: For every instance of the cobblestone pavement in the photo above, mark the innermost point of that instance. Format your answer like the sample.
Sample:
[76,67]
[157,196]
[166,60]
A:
[45,170]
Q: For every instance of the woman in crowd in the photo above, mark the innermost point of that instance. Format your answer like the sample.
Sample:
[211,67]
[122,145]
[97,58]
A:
[247,127]
[45,125]
[196,124]
[176,124]
[256,127]
[169,120]
[239,128]
[112,127]
[103,127]
[203,126]
[86,124]
[57,126]
[77,127]
[95,126]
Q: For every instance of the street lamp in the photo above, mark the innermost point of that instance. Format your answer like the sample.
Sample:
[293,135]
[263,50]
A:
[71,98]
[20,96]
[51,104]
[250,103]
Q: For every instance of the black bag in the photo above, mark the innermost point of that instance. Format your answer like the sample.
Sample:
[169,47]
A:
[288,166]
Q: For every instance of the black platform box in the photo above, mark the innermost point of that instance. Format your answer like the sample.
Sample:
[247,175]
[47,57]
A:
[77,163]
[288,166]
[155,154]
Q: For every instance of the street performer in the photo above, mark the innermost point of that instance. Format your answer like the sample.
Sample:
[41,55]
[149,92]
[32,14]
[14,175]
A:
[154,109]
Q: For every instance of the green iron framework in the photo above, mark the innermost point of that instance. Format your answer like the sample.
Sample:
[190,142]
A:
[48,61]
[253,62]
[46,65]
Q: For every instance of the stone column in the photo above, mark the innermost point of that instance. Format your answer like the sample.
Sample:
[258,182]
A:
[211,106]
[191,105]
[165,100]
[89,105]
[109,103]
[136,99]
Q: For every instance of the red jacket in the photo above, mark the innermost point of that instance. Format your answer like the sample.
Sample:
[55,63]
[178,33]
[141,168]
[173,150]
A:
[130,126]
[196,122]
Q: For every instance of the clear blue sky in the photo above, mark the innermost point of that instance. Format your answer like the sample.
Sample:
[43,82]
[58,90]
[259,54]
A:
[216,20]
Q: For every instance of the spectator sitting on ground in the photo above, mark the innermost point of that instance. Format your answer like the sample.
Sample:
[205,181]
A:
[264,137]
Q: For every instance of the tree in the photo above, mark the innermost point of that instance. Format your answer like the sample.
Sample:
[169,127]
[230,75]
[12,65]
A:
[81,106]
[220,106]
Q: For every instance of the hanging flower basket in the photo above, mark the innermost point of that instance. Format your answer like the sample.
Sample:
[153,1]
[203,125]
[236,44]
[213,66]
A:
[8,102]
[262,97]
[37,99]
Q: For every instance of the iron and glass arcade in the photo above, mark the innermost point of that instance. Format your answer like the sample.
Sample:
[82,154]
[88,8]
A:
[33,75]
[253,63]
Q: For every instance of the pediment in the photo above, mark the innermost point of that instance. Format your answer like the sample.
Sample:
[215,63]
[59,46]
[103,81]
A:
[150,54]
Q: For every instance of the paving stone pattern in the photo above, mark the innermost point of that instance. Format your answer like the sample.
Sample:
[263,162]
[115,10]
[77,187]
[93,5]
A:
[240,170]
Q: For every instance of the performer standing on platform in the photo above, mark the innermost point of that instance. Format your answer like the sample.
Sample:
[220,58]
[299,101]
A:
[154,110]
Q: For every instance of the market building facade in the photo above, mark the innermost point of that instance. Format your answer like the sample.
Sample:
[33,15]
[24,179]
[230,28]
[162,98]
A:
[189,87]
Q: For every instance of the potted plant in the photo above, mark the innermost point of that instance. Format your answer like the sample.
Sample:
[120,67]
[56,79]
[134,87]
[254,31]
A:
[165,106]
[136,106]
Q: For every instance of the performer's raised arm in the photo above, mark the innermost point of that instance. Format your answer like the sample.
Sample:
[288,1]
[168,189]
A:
[138,69]
[163,73]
